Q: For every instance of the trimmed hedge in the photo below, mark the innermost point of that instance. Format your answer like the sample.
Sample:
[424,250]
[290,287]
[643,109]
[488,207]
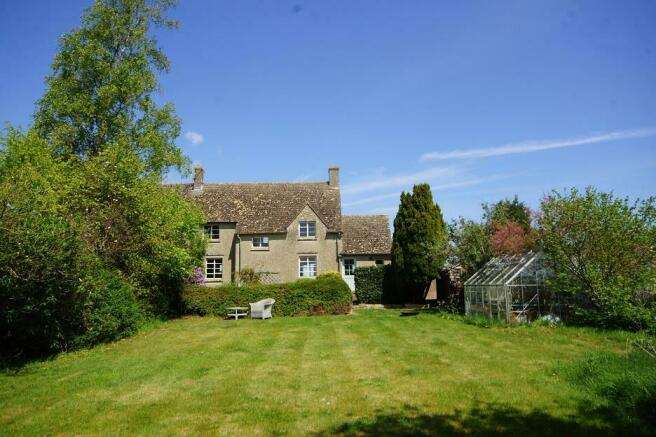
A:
[376,284]
[327,294]
[369,284]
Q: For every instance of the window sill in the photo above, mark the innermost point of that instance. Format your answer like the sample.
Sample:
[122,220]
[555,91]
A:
[213,241]
[307,238]
[260,249]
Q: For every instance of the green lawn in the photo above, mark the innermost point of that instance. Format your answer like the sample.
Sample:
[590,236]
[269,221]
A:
[369,373]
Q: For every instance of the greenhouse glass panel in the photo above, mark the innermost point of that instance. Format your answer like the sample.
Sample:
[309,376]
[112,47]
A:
[512,288]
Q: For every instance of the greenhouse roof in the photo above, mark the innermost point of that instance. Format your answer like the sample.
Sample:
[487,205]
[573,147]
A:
[502,270]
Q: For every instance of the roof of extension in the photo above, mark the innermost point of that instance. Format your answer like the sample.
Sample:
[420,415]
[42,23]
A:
[267,207]
[366,235]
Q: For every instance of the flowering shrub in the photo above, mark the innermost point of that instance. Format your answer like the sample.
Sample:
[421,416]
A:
[197,278]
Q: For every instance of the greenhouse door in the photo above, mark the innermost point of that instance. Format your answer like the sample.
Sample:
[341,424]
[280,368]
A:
[348,272]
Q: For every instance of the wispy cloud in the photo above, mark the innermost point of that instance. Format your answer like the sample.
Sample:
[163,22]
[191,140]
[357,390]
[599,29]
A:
[434,188]
[371,199]
[381,182]
[194,137]
[535,146]
[303,177]
[388,211]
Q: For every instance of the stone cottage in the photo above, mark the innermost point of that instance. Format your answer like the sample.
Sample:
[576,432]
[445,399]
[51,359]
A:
[285,231]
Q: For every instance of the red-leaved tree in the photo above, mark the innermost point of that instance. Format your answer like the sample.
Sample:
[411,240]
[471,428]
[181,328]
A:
[509,238]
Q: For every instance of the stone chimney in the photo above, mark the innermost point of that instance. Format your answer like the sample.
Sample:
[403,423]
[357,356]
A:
[333,176]
[199,177]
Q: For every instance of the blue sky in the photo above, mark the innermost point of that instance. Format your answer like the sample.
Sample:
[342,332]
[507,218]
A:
[483,100]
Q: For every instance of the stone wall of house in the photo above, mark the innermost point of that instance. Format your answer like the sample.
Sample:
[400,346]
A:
[223,248]
[281,260]
[370,260]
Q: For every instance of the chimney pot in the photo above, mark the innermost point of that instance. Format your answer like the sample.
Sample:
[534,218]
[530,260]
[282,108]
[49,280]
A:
[199,177]
[333,176]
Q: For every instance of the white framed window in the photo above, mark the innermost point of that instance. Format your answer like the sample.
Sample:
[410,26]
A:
[260,242]
[214,268]
[307,229]
[212,231]
[349,266]
[307,266]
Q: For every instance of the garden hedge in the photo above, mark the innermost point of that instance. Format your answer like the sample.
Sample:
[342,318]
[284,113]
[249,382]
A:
[369,284]
[327,294]
[377,284]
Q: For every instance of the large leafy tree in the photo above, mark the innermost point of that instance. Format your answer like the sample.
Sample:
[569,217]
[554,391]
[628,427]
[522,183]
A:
[470,246]
[603,251]
[91,239]
[101,88]
[509,226]
[98,114]
[138,226]
[506,229]
[510,239]
[419,244]
[507,211]
[40,247]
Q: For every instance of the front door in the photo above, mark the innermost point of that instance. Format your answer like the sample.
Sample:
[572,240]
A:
[348,272]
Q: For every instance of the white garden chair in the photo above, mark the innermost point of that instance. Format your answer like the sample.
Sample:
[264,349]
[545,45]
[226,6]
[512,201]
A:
[262,309]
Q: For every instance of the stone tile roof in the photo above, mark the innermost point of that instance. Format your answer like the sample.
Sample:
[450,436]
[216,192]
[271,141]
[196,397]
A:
[366,235]
[267,207]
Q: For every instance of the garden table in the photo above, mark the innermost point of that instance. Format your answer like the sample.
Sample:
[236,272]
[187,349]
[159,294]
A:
[237,312]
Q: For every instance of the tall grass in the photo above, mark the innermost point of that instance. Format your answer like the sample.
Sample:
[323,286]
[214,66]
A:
[622,386]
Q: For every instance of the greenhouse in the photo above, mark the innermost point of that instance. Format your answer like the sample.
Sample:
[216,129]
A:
[512,288]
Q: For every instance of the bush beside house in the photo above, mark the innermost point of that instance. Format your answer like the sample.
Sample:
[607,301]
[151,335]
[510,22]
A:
[110,310]
[376,285]
[369,284]
[327,294]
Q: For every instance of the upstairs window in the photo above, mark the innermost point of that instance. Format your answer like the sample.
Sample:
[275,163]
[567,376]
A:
[260,242]
[307,229]
[212,231]
[307,266]
[214,268]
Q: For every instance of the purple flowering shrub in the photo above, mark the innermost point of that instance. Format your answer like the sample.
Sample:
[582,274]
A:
[197,278]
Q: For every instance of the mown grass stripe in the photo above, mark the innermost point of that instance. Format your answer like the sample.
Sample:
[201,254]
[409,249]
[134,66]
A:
[372,371]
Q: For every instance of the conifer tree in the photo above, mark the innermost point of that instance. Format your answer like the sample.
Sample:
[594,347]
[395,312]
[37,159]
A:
[420,242]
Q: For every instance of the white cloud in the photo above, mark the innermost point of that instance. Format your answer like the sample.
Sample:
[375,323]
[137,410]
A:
[470,182]
[194,137]
[303,177]
[387,211]
[434,188]
[393,195]
[400,180]
[535,146]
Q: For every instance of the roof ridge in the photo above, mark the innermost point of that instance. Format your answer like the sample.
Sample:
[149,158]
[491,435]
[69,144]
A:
[267,206]
[209,184]
[267,183]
